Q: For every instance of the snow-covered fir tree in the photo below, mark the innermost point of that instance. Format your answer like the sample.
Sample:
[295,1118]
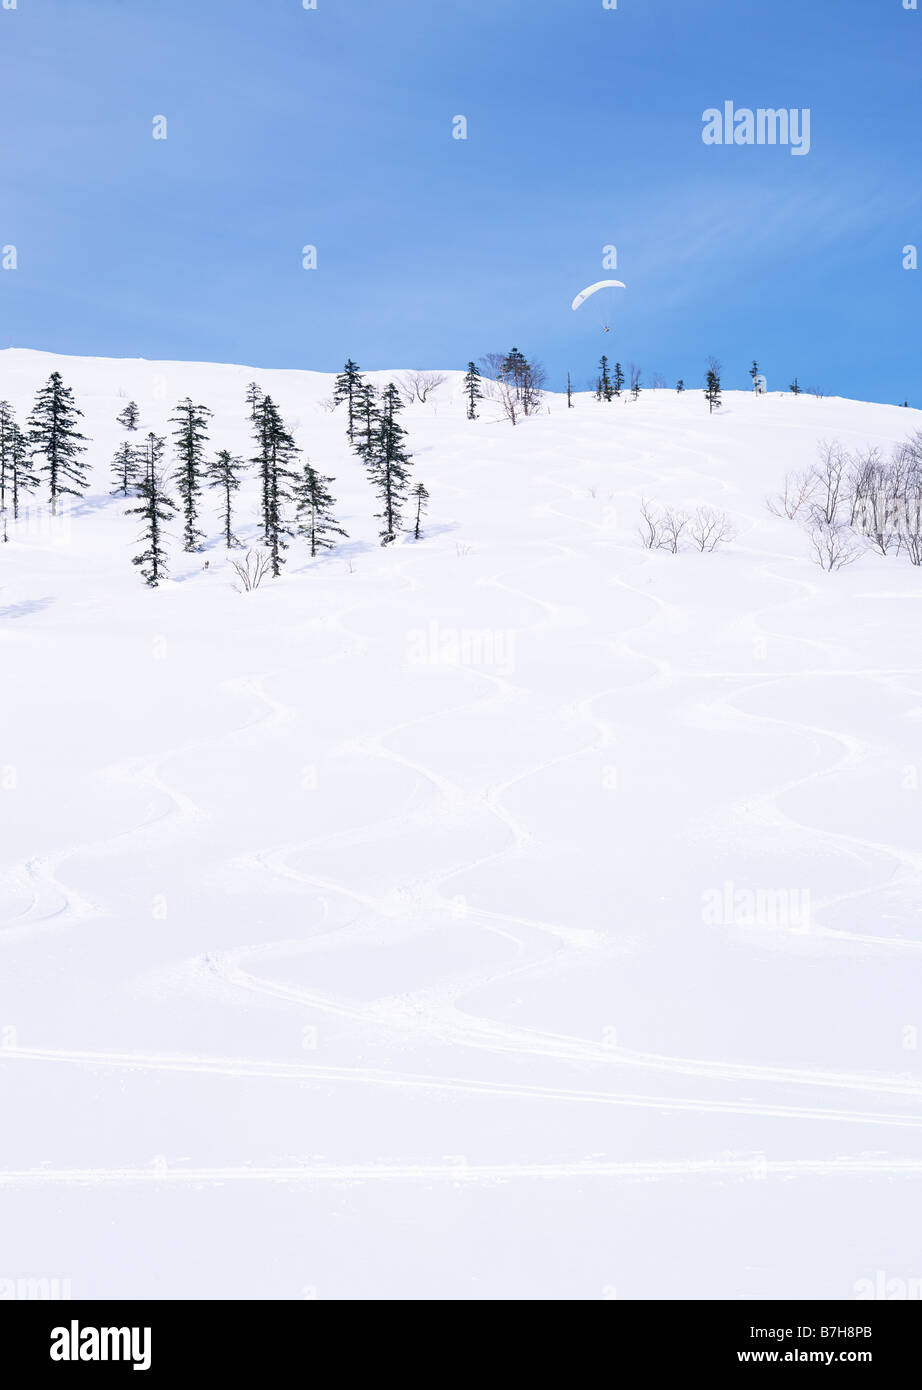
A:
[55,439]
[157,509]
[368,420]
[24,476]
[347,388]
[7,426]
[129,417]
[617,381]
[472,389]
[421,502]
[712,388]
[254,396]
[314,504]
[191,435]
[225,472]
[275,456]
[604,388]
[17,475]
[126,469]
[389,465]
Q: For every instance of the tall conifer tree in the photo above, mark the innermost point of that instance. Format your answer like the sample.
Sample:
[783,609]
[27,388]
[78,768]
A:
[157,509]
[314,505]
[472,389]
[274,459]
[191,436]
[224,472]
[421,500]
[346,388]
[55,438]
[389,465]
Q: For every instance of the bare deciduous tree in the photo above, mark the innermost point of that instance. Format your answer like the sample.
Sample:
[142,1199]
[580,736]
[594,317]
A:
[650,529]
[710,528]
[252,569]
[831,476]
[798,492]
[674,525]
[833,546]
[419,386]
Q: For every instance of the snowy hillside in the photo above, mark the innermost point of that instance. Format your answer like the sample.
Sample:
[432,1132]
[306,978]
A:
[518,913]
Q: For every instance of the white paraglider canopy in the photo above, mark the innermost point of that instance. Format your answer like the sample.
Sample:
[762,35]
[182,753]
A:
[593,289]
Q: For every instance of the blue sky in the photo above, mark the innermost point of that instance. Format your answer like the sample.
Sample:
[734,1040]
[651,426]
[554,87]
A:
[333,127]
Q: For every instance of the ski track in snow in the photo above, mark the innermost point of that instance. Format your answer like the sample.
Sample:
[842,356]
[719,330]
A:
[438,1013]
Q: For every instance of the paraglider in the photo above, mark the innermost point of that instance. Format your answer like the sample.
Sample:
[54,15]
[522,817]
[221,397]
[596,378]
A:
[606,298]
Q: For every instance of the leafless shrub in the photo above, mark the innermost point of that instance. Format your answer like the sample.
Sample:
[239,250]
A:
[909,527]
[798,492]
[328,404]
[252,570]
[419,386]
[674,525]
[831,477]
[815,391]
[650,529]
[833,546]
[463,549]
[877,494]
[659,381]
[710,528]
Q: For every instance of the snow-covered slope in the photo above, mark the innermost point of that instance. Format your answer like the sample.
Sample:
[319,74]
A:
[518,913]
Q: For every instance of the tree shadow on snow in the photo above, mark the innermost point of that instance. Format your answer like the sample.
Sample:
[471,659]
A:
[22,610]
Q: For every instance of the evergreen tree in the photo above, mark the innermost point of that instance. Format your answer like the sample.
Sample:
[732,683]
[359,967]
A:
[276,453]
[795,387]
[472,389]
[126,469]
[606,389]
[24,479]
[254,397]
[389,464]
[54,437]
[569,393]
[754,372]
[346,388]
[712,389]
[368,419]
[525,380]
[680,384]
[191,436]
[421,498]
[157,510]
[129,417]
[18,471]
[224,473]
[314,505]
[7,426]
[617,380]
